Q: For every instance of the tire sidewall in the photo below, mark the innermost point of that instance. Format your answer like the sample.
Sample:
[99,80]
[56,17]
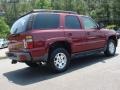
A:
[108,53]
[52,56]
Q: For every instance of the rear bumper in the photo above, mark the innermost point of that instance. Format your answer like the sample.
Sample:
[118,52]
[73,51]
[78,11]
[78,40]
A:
[20,57]
[25,56]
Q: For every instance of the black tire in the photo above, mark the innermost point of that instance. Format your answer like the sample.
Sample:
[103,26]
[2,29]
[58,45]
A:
[53,60]
[31,64]
[107,51]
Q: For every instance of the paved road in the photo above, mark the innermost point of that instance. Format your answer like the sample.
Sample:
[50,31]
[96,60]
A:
[95,72]
[2,53]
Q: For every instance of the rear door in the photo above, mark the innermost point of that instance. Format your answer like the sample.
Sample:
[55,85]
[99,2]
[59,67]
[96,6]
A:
[74,32]
[95,38]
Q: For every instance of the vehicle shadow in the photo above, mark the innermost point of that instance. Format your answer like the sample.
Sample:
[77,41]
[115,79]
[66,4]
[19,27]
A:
[26,76]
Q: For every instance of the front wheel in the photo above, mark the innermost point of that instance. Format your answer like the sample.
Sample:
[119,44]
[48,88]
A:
[111,48]
[59,60]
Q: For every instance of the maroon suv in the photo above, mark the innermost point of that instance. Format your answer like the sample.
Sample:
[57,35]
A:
[53,37]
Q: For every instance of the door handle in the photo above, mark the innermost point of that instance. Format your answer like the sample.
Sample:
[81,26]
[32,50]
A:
[88,33]
[69,34]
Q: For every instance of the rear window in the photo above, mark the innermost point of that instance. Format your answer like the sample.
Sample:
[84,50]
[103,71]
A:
[20,25]
[46,21]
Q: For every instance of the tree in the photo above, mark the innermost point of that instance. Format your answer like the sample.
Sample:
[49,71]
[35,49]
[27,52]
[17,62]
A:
[98,9]
[42,4]
[4,28]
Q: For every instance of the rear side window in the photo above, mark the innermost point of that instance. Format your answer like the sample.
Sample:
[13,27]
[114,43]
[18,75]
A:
[46,21]
[72,22]
[20,25]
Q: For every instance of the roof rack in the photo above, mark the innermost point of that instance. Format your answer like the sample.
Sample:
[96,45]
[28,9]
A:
[54,11]
[46,10]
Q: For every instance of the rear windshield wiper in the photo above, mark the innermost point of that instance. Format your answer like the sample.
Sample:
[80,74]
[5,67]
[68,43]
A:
[15,35]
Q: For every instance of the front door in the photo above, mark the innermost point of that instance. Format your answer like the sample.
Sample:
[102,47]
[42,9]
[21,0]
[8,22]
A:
[95,39]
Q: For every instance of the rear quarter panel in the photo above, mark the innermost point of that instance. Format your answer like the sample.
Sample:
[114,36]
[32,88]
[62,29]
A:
[43,39]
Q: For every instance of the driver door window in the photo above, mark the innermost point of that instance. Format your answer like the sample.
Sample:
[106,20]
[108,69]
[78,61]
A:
[93,35]
[89,23]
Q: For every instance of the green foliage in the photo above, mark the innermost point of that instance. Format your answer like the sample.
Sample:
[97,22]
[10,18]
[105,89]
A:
[111,26]
[4,28]
[42,4]
[105,10]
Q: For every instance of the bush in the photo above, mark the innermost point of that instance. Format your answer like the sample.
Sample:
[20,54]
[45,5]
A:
[111,27]
[4,28]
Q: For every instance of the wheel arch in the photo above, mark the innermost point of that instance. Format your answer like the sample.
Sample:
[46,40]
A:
[60,44]
[113,37]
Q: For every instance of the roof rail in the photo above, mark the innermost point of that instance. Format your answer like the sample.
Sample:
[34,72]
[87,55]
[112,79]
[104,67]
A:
[46,10]
[54,11]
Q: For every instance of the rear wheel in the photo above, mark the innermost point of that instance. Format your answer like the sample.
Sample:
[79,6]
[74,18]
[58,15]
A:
[111,48]
[59,60]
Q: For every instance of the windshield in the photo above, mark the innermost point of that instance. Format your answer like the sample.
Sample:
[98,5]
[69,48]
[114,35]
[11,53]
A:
[20,25]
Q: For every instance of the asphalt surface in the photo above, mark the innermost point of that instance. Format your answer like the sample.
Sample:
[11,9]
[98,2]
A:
[95,72]
[2,53]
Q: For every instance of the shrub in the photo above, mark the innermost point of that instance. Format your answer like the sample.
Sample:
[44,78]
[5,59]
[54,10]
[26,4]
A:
[113,27]
[4,28]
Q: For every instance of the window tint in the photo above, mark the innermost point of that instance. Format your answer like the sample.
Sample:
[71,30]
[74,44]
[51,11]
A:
[72,22]
[46,21]
[20,25]
[88,23]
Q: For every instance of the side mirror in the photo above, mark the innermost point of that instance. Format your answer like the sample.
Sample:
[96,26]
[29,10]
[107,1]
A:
[101,25]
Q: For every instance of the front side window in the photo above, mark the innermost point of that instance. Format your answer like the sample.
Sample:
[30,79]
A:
[88,23]
[72,22]
[20,25]
[46,21]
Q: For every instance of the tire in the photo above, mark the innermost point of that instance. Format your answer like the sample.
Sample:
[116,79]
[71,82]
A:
[31,64]
[111,48]
[55,62]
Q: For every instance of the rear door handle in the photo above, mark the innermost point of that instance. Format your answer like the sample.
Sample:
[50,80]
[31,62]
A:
[69,34]
[88,33]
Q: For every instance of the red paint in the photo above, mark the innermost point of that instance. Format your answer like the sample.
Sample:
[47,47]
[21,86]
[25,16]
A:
[79,40]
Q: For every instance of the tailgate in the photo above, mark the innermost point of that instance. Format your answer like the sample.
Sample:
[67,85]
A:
[16,42]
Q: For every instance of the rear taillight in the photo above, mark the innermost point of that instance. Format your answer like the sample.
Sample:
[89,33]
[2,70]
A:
[28,42]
